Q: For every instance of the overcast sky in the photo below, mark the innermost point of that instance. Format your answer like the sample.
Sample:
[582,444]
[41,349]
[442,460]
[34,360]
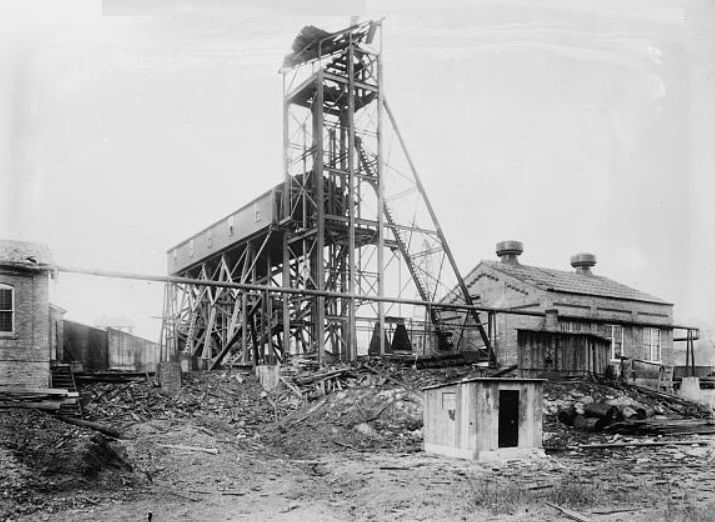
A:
[571,126]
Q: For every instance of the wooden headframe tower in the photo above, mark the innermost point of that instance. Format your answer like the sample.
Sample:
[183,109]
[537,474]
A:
[350,224]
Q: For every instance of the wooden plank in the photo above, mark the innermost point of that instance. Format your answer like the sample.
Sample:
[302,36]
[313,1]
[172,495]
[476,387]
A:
[38,405]
[33,390]
[92,425]
[568,513]
[645,444]
[292,387]
[212,451]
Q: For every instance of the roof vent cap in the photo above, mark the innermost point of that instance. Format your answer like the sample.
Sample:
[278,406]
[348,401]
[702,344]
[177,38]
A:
[509,251]
[583,262]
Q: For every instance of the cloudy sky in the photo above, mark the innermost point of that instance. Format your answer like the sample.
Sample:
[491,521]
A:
[569,125]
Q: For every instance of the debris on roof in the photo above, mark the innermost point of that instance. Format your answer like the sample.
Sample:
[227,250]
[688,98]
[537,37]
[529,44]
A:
[25,255]
[313,42]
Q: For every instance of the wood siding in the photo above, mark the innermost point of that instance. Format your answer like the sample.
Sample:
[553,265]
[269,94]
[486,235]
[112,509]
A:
[545,353]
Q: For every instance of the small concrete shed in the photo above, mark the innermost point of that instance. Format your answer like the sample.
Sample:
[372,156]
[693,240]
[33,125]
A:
[484,418]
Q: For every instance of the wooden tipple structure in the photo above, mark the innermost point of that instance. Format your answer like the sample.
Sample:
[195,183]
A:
[345,256]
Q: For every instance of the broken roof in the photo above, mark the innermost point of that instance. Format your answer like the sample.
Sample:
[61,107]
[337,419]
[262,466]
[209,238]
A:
[568,282]
[25,255]
[313,42]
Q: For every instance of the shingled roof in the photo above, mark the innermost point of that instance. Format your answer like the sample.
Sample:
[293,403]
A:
[26,255]
[568,282]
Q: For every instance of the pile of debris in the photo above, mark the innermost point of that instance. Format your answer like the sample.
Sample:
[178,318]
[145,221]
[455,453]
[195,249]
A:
[234,399]
[48,399]
[42,455]
[595,416]
[637,409]
[362,419]
[632,410]
[307,382]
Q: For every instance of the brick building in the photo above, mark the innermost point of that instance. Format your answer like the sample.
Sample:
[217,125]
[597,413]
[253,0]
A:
[27,335]
[638,325]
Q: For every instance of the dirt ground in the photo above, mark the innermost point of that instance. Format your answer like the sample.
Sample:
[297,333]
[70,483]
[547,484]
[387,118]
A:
[349,472]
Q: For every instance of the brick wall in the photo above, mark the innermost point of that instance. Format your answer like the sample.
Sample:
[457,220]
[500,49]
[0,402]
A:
[499,290]
[25,353]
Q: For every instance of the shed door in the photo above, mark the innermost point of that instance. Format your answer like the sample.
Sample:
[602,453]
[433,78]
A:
[508,418]
[449,418]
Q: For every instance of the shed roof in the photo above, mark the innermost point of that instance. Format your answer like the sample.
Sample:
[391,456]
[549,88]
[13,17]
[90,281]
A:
[25,255]
[568,282]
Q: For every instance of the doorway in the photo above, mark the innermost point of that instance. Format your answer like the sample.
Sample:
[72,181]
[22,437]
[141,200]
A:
[508,418]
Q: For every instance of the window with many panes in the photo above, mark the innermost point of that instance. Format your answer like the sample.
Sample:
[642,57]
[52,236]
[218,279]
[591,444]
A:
[651,343]
[7,309]
[575,326]
[616,341]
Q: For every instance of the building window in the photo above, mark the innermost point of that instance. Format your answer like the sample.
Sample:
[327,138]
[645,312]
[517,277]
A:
[7,309]
[230,225]
[176,256]
[191,248]
[575,326]
[256,212]
[616,342]
[209,239]
[651,343]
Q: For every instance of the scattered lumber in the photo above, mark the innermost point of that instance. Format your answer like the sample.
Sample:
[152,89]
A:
[212,451]
[568,513]
[664,427]
[19,391]
[118,376]
[702,409]
[504,371]
[292,387]
[36,405]
[383,374]
[47,399]
[645,444]
[612,511]
[91,425]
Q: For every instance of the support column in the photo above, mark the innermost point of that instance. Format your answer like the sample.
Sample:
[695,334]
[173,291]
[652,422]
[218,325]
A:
[319,254]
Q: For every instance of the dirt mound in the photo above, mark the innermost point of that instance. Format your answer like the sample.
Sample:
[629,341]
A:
[43,455]
[358,418]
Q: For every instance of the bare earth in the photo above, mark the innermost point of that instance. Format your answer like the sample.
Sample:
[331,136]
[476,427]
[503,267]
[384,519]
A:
[254,483]
[353,455]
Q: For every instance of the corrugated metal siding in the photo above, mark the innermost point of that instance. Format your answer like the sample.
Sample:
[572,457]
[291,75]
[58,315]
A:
[87,345]
[131,353]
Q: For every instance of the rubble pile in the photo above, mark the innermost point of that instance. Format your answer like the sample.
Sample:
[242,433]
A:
[365,418]
[49,399]
[43,455]
[304,378]
[587,408]
[234,399]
